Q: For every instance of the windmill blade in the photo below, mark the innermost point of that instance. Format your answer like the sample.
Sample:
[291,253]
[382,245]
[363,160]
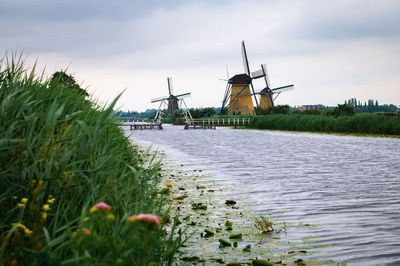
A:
[266,75]
[226,95]
[282,89]
[159,99]
[245,60]
[170,88]
[183,95]
[257,74]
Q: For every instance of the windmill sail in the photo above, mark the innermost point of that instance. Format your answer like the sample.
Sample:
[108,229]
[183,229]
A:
[170,88]
[183,95]
[245,61]
[159,99]
[282,89]
[257,74]
[266,76]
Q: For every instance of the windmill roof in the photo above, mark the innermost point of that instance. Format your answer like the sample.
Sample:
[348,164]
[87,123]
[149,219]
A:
[240,79]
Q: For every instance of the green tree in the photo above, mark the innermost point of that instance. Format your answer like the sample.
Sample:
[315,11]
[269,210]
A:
[340,110]
[62,78]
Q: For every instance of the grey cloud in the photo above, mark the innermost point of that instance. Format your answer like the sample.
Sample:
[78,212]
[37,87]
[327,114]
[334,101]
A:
[73,10]
[346,19]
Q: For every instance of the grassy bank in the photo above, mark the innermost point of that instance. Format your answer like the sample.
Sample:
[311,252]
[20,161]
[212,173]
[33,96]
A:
[355,124]
[71,182]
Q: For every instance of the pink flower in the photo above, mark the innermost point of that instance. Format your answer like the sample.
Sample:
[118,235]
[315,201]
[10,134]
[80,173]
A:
[149,218]
[103,206]
[100,206]
[86,231]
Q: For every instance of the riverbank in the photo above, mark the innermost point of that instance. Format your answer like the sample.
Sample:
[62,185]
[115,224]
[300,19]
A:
[220,229]
[73,185]
[358,124]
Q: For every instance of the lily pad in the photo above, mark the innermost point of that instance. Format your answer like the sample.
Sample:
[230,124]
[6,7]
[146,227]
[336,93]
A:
[224,242]
[235,236]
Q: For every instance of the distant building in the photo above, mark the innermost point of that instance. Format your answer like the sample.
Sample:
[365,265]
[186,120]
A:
[310,107]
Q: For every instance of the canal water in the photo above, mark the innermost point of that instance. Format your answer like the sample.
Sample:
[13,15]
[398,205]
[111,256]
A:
[349,186]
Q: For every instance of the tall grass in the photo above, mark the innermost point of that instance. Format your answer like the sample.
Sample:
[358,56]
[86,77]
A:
[355,124]
[59,155]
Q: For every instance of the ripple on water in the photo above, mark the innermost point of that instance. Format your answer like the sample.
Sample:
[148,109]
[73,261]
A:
[348,184]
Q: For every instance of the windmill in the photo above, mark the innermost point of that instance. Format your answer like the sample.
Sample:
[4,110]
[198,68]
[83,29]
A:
[237,95]
[172,102]
[266,94]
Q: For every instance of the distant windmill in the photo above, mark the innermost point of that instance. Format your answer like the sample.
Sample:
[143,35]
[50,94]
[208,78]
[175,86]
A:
[237,95]
[173,102]
[266,99]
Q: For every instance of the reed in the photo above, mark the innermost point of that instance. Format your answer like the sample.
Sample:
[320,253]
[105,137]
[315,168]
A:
[354,124]
[60,155]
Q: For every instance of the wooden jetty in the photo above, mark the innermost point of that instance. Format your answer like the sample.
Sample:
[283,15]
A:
[199,126]
[142,123]
[212,123]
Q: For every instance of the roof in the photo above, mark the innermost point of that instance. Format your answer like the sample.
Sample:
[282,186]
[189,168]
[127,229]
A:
[240,79]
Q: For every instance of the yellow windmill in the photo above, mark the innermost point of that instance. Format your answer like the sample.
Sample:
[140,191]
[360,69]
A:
[266,94]
[238,97]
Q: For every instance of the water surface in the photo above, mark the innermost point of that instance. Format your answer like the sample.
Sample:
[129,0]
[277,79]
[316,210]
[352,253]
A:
[349,184]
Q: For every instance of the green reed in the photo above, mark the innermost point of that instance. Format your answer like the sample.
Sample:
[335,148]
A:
[60,154]
[355,124]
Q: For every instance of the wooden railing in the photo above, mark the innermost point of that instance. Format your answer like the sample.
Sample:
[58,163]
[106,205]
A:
[222,121]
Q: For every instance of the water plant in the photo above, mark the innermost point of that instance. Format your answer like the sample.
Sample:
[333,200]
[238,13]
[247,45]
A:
[263,225]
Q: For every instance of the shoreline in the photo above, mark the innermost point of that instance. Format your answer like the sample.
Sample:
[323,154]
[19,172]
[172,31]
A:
[327,133]
[369,135]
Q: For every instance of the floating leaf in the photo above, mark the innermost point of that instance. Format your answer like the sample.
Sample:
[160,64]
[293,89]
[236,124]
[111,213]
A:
[235,236]
[224,242]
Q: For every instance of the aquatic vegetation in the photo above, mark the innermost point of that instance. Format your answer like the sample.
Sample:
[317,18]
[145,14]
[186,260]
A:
[210,231]
[263,225]
[224,242]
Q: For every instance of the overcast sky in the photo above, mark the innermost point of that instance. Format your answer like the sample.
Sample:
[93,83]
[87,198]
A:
[330,50]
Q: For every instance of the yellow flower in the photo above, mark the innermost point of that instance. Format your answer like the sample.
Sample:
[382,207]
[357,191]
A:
[46,207]
[93,209]
[51,201]
[28,232]
[21,205]
[15,197]
[75,233]
[24,200]
[44,216]
[111,217]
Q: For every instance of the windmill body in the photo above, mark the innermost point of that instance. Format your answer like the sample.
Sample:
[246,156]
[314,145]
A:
[172,105]
[266,101]
[240,95]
